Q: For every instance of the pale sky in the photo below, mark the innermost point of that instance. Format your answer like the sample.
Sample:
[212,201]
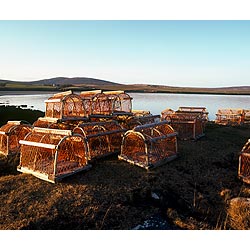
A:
[171,52]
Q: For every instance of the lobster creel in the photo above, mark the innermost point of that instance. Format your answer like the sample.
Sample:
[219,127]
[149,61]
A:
[229,116]
[188,125]
[52,154]
[10,134]
[244,163]
[102,138]
[149,145]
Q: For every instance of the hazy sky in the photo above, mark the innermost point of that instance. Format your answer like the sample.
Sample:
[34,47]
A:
[178,53]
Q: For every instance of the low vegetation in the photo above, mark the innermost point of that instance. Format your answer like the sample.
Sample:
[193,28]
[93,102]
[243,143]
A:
[192,192]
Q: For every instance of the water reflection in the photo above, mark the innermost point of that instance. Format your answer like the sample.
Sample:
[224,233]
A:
[147,101]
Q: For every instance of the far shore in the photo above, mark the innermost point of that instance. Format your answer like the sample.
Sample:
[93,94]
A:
[51,91]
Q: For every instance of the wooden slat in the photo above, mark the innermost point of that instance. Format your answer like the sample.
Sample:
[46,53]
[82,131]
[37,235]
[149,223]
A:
[164,136]
[92,92]
[113,92]
[15,122]
[150,125]
[37,144]
[69,92]
[48,119]
[52,131]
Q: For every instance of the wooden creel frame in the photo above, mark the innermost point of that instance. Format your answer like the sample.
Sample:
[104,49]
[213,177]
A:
[229,116]
[54,123]
[188,125]
[246,116]
[65,105]
[166,113]
[52,154]
[102,138]
[149,145]
[10,134]
[201,111]
[244,163]
[134,121]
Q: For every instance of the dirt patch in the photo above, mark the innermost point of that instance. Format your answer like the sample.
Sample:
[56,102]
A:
[191,192]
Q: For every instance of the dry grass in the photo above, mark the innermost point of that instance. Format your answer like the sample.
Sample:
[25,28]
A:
[239,213]
[195,191]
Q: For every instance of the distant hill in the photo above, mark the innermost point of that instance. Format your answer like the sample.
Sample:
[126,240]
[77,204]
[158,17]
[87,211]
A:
[85,83]
[63,81]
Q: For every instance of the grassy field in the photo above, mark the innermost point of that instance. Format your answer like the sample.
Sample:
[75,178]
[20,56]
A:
[194,190]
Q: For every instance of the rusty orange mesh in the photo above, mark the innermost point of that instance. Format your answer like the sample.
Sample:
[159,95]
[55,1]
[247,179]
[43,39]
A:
[101,104]
[229,116]
[121,102]
[165,114]
[188,125]
[65,106]
[69,154]
[103,138]
[244,161]
[149,145]
[9,142]
[246,116]
[199,111]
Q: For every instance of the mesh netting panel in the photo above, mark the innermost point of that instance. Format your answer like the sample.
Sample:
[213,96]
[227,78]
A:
[245,165]
[149,145]
[126,102]
[17,134]
[73,106]
[70,155]
[229,116]
[65,106]
[101,104]
[245,160]
[4,138]
[9,142]
[102,138]
[53,109]
[187,125]
[161,149]
[165,114]
[3,144]
[41,124]
[39,159]
[133,148]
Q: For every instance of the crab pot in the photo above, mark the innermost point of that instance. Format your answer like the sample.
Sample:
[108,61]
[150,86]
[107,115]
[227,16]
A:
[88,98]
[149,145]
[244,163]
[140,113]
[247,116]
[54,123]
[10,134]
[229,117]
[141,120]
[202,111]
[120,101]
[52,154]
[102,138]
[188,125]
[165,114]
[65,105]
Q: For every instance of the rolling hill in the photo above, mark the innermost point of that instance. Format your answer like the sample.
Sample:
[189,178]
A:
[85,83]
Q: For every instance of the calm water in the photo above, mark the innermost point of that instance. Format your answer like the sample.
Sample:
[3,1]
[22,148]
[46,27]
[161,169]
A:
[147,101]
